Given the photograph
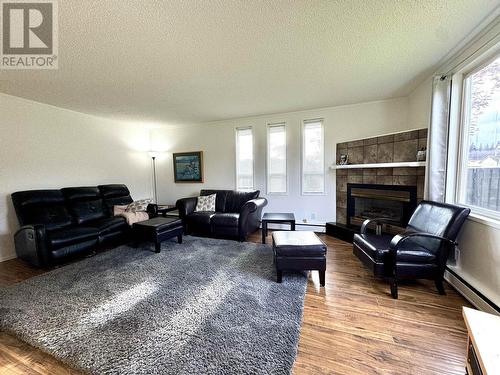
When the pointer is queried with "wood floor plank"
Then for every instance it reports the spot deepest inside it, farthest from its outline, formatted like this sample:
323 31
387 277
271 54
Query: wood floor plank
351 327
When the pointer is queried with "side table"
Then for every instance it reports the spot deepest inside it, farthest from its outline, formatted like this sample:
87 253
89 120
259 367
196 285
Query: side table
276 218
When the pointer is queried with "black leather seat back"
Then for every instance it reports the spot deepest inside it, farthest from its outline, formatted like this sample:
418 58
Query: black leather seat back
220 200
84 203
436 218
236 199
230 201
46 207
114 195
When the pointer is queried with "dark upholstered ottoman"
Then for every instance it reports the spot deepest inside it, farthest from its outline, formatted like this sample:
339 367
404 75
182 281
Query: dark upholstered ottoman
299 251
157 230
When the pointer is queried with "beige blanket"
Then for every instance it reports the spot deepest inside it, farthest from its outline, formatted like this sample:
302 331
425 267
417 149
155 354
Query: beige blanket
130 217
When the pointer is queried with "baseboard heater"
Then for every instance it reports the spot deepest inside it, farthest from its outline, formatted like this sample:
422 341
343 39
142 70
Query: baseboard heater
471 294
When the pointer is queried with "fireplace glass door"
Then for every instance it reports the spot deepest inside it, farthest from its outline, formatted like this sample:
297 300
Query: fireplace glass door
392 202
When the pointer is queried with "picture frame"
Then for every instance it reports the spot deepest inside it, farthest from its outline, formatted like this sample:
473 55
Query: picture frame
344 159
188 167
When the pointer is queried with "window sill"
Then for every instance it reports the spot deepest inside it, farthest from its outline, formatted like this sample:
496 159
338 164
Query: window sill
494 223
313 194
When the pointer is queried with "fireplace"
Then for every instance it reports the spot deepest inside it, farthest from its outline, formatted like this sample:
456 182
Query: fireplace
395 203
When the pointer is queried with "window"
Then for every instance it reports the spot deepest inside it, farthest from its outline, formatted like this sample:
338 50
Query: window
313 163
276 158
479 164
244 159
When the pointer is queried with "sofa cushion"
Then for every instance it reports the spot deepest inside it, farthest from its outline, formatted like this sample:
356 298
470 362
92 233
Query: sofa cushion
200 218
85 203
225 219
73 235
46 207
236 199
109 224
376 247
139 206
206 203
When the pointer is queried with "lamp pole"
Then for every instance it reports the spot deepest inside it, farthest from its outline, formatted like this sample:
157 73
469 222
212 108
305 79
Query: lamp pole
154 178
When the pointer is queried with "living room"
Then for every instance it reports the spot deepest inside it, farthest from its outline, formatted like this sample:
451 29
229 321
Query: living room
186 187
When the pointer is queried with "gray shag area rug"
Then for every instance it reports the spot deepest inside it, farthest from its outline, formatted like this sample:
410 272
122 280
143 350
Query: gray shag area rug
206 306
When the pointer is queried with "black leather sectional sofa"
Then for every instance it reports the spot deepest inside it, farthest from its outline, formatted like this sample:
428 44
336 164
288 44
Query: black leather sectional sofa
57 224
236 214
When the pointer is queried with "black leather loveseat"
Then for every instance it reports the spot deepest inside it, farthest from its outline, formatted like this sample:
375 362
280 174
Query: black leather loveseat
56 224
236 214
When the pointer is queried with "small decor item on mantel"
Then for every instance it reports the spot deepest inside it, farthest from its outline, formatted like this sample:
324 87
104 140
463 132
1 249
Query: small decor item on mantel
422 154
188 166
344 158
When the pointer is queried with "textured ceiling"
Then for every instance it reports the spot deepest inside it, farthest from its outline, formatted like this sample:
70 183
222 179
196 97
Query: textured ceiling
202 60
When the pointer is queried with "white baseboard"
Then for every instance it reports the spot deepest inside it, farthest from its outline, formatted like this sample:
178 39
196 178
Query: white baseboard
469 294
7 257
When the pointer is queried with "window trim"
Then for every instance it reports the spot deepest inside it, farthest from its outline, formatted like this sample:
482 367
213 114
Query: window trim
268 127
236 143
302 139
457 149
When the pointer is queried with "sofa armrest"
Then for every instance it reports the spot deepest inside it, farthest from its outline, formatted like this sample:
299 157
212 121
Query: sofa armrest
186 206
378 221
398 239
152 210
250 215
31 245
442 251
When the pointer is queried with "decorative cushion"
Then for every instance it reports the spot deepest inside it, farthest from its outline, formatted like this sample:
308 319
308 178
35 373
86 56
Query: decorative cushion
139 206
119 209
134 217
206 203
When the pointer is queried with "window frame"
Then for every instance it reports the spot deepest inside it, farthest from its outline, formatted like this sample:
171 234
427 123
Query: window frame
302 158
268 153
459 126
236 154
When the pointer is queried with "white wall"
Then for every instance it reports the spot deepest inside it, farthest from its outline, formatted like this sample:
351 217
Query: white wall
47 147
419 105
217 141
479 257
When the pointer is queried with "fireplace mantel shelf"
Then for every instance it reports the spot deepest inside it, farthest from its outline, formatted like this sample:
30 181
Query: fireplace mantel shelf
403 164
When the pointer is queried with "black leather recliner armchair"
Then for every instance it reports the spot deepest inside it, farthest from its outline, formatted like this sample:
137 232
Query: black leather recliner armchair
56 224
420 252
236 214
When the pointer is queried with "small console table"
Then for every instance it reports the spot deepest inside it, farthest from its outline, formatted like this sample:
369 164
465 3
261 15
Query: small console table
276 218
483 351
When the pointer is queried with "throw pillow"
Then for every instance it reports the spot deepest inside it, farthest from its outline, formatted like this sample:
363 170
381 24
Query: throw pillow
206 203
139 206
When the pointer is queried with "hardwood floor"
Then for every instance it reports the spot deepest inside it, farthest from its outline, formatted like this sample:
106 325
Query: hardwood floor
352 326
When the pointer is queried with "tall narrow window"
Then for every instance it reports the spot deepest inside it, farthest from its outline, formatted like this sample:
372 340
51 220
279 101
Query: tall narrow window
276 158
313 163
244 159
479 180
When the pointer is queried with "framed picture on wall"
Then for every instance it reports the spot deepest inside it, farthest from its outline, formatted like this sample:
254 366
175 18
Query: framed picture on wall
188 166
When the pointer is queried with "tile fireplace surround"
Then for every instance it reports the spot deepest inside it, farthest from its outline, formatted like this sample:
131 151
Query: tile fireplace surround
398 147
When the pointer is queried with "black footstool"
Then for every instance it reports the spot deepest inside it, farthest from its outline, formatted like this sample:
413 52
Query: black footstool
299 251
158 229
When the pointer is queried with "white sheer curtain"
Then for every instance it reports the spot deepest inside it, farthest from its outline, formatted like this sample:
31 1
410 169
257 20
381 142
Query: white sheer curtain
438 139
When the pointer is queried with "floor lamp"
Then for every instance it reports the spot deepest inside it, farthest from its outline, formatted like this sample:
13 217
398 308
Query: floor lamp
153 156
